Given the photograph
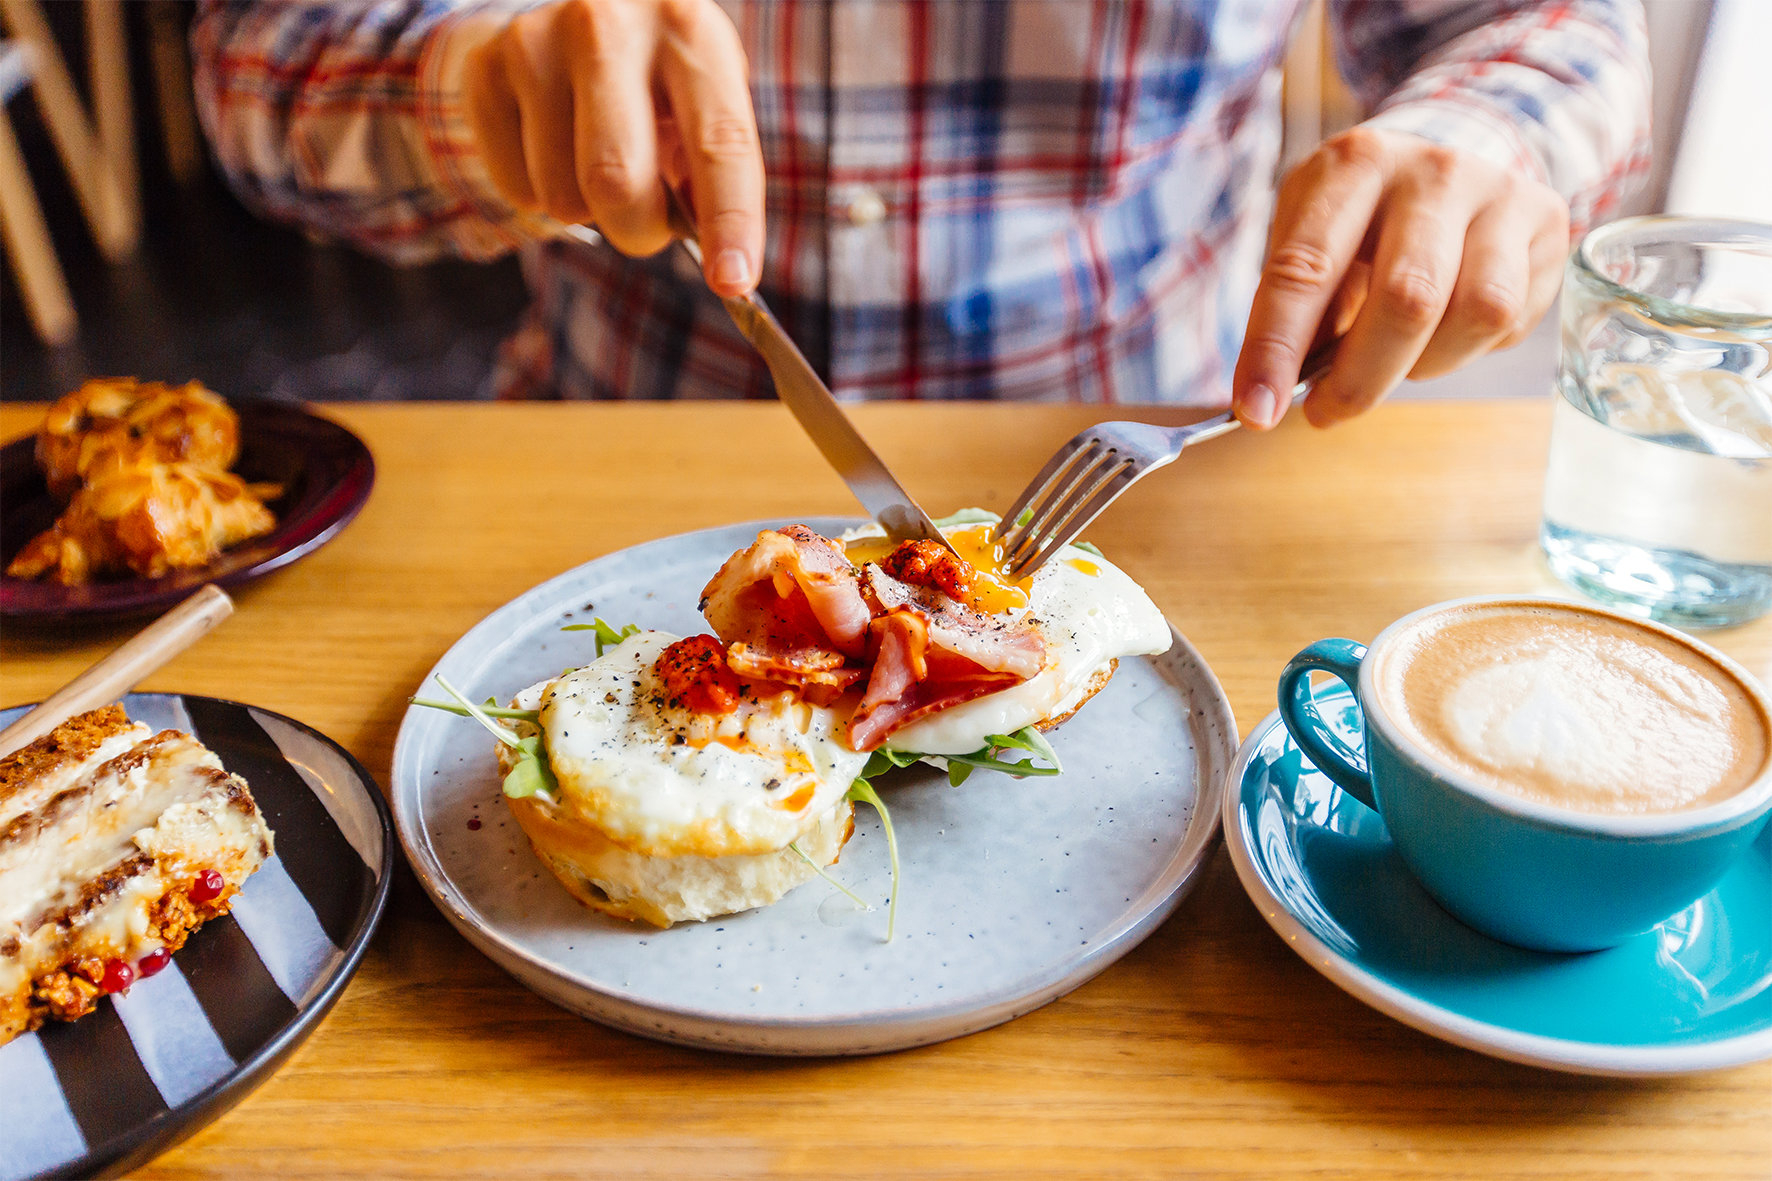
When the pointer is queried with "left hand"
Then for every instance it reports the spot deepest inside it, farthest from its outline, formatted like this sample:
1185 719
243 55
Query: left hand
1422 256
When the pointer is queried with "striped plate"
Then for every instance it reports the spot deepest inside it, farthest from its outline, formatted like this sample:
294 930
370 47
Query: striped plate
154 1064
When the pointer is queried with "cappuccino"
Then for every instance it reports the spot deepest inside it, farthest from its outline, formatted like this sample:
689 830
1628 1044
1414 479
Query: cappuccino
1573 709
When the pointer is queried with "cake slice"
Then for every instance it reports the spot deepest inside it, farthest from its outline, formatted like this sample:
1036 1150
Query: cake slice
115 844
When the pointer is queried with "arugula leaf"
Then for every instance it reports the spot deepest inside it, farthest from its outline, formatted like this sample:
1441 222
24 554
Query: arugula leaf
530 774
489 709
1087 547
958 773
861 791
607 636
967 516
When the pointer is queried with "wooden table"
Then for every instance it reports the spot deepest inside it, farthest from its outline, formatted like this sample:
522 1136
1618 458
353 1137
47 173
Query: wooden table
1210 1050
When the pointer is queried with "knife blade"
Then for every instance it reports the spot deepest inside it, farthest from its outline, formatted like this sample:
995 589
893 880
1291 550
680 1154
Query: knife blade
801 390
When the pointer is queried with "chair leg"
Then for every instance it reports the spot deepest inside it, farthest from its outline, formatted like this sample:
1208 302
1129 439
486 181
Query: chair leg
71 132
40 278
107 51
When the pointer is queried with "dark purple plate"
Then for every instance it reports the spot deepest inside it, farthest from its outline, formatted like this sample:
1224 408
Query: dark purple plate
326 473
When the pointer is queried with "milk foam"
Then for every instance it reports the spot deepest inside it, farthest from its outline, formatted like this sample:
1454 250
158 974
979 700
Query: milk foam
1574 709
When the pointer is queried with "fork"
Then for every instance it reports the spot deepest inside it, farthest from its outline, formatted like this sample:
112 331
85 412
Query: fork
1099 463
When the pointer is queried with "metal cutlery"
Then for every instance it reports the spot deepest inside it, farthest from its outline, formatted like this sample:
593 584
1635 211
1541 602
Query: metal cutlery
1098 465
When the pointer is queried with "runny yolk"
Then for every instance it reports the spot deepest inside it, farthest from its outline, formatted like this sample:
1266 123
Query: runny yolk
798 800
1084 565
992 593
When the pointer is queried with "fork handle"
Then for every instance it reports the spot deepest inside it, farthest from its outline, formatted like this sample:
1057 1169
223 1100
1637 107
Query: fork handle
1316 363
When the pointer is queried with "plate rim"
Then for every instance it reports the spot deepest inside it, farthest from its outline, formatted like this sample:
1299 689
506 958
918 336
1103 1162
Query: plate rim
360 458
1606 1059
167 1128
811 1037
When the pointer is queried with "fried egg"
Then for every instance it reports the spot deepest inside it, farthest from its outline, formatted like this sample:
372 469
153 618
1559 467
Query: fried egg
1089 611
657 779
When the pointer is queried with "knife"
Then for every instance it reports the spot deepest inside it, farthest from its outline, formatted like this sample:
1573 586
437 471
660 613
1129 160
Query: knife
798 386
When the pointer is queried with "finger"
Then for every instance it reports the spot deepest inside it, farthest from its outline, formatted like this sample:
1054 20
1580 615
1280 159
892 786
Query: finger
615 161
497 129
1421 232
1489 297
1545 260
702 67
1319 222
544 103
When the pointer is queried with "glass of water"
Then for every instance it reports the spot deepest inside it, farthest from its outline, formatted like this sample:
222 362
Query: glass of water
1658 499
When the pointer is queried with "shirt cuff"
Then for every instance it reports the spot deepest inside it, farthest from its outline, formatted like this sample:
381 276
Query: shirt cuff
487 225
1466 126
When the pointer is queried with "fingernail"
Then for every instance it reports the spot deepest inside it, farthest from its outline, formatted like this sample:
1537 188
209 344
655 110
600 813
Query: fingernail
1261 406
732 270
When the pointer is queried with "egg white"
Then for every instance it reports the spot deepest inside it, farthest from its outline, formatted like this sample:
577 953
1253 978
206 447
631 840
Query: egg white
1090 612
661 781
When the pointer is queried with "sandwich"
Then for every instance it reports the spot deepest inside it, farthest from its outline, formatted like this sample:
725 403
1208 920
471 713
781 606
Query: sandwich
675 779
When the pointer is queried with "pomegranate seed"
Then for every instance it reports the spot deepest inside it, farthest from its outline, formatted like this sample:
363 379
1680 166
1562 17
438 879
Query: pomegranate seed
208 886
118 976
152 963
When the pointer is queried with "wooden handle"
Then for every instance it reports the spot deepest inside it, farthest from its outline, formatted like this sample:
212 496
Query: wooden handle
117 673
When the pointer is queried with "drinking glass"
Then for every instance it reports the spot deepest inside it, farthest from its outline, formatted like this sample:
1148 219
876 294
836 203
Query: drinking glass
1658 499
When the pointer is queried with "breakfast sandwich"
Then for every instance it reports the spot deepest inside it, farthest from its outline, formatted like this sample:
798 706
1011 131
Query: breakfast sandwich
677 779
115 844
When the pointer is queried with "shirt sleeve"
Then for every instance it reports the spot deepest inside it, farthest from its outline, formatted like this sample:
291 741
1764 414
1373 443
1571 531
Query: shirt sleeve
1556 88
344 117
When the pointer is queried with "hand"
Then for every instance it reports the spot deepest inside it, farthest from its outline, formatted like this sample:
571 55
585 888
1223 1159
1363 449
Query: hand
1422 257
580 107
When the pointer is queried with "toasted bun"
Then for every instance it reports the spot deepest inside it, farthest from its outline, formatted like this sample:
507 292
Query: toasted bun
666 890
1097 682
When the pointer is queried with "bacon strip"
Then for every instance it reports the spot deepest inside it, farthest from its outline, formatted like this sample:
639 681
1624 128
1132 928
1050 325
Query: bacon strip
789 609
987 641
932 653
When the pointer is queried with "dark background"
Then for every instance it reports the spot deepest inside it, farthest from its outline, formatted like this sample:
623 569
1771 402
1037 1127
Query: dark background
244 306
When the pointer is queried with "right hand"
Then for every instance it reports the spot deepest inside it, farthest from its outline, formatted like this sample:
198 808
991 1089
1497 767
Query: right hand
581 107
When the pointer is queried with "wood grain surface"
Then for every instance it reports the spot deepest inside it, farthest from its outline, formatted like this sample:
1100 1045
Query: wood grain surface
1210 1050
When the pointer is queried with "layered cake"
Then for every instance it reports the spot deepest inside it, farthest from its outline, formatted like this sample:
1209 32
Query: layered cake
115 844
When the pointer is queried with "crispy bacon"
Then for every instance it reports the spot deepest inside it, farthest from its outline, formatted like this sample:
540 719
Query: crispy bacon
931 564
790 608
990 642
913 679
931 653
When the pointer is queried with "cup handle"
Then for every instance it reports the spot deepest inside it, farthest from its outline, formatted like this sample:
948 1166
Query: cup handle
1298 710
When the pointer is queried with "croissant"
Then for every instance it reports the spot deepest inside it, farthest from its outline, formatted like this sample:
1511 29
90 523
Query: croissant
117 422
150 519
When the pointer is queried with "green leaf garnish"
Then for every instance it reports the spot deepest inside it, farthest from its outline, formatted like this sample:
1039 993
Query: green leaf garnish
607 636
530 774
861 791
1026 515
1088 547
957 773
489 709
967 516
819 870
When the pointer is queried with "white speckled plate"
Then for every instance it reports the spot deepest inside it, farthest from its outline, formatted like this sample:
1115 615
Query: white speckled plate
1014 891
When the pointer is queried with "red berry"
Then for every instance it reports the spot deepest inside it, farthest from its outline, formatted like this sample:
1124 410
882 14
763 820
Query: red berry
208 886
118 976
154 962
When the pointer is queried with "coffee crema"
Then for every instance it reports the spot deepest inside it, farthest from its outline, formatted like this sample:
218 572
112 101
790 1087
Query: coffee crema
1573 709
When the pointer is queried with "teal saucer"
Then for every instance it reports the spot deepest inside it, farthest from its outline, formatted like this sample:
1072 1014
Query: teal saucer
1693 994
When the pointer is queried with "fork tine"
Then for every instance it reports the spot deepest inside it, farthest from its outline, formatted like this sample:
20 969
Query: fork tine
1057 465
1037 517
1058 505
1105 493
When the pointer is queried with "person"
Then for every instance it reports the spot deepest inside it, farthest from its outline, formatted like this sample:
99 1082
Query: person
1026 199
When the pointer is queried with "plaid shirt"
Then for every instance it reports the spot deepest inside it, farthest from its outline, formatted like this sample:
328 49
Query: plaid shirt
1038 199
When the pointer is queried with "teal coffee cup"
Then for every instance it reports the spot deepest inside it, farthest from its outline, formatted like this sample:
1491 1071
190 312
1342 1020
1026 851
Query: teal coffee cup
1557 776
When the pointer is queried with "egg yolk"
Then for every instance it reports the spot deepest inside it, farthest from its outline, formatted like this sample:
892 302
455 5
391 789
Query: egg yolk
992 592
